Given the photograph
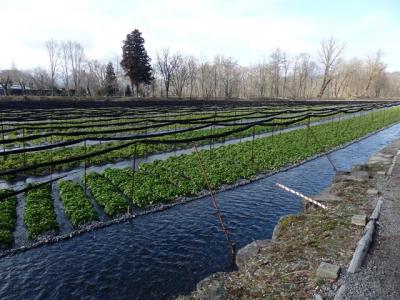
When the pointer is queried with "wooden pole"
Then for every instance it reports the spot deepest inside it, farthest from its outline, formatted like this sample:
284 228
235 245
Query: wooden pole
318 142
51 149
23 144
133 176
2 129
252 144
85 166
215 205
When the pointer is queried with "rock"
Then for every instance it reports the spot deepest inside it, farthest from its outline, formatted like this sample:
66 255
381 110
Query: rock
380 158
359 220
211 287
276 231
354 175
214 291
277 227
372 192
318 297
328 271
345 177
358 168
326 197
249 251
323 198
360 174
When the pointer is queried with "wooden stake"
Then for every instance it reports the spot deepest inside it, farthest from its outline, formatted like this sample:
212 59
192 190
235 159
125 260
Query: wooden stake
85 167
215 205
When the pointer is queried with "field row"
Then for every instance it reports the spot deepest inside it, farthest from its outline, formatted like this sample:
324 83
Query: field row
20 135
165 181
20 160
62 117
39 214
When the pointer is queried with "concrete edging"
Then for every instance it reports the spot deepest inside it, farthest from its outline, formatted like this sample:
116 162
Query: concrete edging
365 241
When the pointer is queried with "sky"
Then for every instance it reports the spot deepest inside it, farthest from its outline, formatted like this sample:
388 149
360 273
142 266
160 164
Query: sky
247 30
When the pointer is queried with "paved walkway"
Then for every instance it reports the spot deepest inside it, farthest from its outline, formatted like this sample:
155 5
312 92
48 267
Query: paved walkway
379 277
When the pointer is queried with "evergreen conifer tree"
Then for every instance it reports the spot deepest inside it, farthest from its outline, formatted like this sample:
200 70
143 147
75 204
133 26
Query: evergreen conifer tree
128 91
111 84
135 61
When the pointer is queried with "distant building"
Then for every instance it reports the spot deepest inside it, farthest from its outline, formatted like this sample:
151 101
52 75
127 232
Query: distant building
18 90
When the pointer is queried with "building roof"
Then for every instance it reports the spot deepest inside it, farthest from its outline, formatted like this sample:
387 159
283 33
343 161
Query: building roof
19 87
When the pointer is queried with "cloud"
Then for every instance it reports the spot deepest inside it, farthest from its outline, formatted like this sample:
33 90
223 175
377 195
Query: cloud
245 30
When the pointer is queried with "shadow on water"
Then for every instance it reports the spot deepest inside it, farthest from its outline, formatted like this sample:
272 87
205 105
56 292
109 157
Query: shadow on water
165 254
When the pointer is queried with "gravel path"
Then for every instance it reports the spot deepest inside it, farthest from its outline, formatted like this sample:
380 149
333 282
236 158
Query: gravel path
379 277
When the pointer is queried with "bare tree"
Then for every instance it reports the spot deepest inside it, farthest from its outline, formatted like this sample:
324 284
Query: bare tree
285 68
374 68
53 51
206 78
5 81
77 59
341 77
260 75
23 78
356 82
192 70
229 75
275 64
381 83
180 75
331 50
65 54
186 76
94 76
41 79
166 65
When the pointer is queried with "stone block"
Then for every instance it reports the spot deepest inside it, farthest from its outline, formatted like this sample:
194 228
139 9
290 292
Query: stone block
338 178
328 271
318 297
361 175
372 192
250 251
359 220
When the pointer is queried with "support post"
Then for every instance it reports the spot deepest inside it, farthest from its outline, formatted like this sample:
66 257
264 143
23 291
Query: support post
51 155
252 144
2 129
318 142
85 166
23 144
215 205
133 177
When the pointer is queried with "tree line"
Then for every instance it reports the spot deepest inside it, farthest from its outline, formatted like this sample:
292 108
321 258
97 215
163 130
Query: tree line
327 74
